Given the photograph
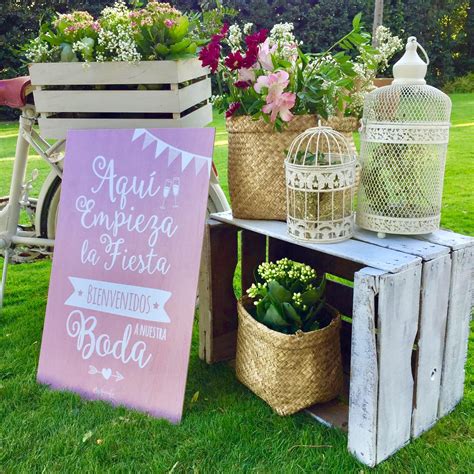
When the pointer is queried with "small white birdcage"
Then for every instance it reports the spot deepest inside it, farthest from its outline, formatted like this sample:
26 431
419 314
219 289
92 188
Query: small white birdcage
404 138
320 180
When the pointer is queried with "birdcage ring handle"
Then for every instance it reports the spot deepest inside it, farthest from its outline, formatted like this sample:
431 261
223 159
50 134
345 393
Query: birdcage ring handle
424 52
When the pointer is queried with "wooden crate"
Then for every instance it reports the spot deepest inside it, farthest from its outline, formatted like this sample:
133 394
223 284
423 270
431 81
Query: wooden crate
403 339
106 95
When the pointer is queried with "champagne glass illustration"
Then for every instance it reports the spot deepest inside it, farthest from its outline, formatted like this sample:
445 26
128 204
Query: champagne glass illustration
166 192
175 190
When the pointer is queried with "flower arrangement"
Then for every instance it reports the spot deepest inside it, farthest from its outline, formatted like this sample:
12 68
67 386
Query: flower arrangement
370 63
155 32
289 297
266 75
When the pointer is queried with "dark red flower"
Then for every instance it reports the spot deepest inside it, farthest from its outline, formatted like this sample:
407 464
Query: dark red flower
234 61
232 109
218 37
209 55
224 29
256 38
243 84
250 56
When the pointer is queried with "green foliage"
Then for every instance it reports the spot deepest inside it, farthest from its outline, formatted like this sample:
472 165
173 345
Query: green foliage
289 297
462 84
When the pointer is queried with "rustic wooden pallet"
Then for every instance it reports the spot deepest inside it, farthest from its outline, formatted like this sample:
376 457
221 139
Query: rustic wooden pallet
396 303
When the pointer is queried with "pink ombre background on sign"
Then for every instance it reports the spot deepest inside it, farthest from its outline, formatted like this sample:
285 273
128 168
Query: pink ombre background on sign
158 388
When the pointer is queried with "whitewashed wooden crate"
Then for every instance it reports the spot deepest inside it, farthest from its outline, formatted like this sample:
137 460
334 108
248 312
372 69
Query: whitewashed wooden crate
404 337
106 95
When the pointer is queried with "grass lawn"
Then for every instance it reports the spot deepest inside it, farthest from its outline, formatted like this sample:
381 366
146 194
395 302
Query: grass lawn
225 428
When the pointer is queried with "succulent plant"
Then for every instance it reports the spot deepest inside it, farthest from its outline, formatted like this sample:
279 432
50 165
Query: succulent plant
289 297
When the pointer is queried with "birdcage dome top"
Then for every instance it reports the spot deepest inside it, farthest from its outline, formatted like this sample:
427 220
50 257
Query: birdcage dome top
320 147
402 103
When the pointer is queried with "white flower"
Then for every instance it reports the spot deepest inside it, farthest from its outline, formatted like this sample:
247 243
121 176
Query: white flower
248 28
235 37
40 51
387 45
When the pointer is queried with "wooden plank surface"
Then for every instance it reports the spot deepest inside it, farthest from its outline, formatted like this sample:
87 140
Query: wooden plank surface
457 330
254 250
431 339
398 310
116 101
364 378
353 250
57 127
142 72
448 238
217 302
402 243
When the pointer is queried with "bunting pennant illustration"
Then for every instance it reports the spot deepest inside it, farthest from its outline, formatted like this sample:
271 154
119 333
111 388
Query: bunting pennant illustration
173 152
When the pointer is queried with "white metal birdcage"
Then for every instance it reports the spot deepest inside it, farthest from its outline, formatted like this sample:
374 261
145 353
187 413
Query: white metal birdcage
320 180
404 138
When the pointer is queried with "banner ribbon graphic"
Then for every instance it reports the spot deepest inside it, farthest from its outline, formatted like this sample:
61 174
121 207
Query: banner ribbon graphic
130 301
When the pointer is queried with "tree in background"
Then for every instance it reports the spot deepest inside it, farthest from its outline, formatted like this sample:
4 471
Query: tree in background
444 27
378 20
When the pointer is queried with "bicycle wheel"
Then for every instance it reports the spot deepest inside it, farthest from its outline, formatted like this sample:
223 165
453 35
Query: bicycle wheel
48 212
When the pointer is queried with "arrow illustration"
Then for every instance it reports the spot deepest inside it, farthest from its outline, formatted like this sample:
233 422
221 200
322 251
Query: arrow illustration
106 373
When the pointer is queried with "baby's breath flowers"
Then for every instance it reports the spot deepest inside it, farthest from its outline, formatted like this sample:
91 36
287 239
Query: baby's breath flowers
154 32
288 296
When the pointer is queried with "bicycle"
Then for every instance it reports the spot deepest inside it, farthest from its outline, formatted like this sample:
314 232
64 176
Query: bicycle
39 237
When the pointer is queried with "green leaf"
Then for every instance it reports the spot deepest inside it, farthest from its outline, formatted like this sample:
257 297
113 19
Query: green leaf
180 46
180 29
310 297
273 318
278 293
162 49
356 21
291 313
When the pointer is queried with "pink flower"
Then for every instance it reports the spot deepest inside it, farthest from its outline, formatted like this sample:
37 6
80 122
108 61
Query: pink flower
169 23
282 105
275 82
265 55
277 101
246 75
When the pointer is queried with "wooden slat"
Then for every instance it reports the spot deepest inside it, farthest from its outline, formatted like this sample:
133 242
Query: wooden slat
143 72
217 303
57 128
352 250
116 101
398 309
223 260
334 413
254 249
448 239
193 94
431 339
402 243
457 330
364 379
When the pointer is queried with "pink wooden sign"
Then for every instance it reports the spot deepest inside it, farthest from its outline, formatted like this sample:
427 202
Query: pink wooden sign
126 263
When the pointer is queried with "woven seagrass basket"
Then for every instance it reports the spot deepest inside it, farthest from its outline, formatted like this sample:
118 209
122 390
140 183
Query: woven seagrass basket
256 172
289 371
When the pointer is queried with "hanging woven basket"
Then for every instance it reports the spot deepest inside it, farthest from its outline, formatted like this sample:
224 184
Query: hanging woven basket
256 173
289 371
